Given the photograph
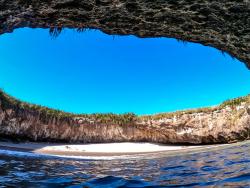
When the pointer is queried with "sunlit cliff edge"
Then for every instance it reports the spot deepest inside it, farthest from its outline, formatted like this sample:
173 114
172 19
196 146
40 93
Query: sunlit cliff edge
226 123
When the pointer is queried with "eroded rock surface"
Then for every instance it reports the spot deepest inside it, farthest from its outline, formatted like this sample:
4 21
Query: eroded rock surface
223 24
213 125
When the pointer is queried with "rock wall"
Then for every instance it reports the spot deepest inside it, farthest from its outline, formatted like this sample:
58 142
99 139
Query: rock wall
223 24
229 124
29 125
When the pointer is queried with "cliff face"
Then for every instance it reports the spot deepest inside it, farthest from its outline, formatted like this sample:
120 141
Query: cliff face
213 125
223 24
224 125
30 125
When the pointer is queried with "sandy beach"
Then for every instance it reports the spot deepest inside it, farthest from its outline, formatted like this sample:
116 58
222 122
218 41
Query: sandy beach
104 149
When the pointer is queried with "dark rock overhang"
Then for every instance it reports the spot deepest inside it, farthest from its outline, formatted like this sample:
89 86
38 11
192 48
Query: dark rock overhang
223 24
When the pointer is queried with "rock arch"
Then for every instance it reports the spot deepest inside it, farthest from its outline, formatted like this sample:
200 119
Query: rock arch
223 24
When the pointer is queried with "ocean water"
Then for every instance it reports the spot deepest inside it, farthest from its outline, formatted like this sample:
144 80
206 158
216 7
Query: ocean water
223 167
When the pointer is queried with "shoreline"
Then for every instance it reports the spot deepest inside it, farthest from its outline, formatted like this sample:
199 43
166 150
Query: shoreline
100 150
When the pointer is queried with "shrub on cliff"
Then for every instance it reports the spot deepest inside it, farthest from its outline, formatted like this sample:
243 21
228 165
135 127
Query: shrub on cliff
45 112
236 101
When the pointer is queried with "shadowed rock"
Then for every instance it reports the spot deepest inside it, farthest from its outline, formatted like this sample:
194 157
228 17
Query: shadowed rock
223 24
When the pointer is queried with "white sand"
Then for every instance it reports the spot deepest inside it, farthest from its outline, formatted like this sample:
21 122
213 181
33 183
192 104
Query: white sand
104 151
126 147
115 148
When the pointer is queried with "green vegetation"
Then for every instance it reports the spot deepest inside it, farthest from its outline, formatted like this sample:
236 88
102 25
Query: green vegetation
230 103
82 29
55 31
182 41
224 53
178 113
236 101
8 102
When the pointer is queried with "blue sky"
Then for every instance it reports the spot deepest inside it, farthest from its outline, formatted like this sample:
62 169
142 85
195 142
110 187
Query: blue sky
93 72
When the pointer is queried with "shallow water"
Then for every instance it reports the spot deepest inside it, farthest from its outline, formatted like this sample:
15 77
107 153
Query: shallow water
228 166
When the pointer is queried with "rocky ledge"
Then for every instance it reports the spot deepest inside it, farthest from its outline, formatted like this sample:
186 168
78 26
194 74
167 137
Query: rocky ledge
226 123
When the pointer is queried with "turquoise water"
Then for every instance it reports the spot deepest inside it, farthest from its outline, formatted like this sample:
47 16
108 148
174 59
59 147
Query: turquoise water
228 167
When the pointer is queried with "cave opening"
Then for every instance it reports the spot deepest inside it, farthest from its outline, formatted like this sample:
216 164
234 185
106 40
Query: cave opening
91 72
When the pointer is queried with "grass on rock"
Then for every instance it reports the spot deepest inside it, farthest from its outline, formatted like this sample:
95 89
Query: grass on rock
8 102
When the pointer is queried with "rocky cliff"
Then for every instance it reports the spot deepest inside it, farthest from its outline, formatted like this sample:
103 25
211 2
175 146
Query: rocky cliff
226 123
223 24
